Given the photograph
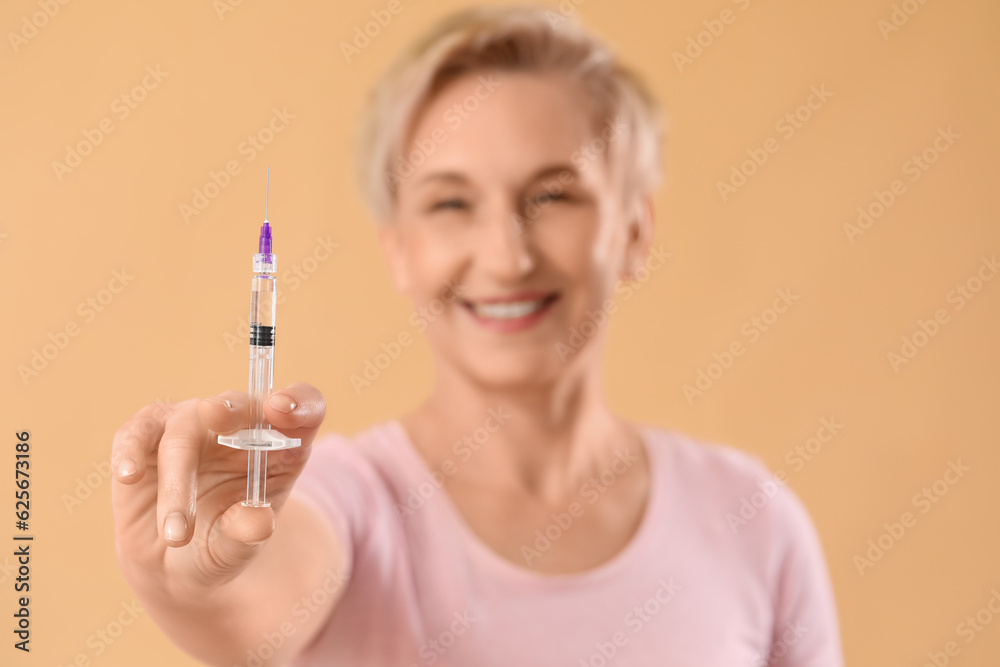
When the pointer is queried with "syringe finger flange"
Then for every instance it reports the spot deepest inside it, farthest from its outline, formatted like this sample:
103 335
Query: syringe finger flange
268 440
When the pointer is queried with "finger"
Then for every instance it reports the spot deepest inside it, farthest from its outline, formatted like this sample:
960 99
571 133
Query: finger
177 461
239 534
225 413
297 411
135 442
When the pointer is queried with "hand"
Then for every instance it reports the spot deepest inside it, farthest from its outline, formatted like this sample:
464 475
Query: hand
179 523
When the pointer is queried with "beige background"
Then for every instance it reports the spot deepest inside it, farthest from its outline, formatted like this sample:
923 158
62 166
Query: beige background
164 336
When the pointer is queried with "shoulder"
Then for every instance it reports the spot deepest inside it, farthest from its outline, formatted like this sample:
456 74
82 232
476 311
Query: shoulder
721 466
728 486
731 506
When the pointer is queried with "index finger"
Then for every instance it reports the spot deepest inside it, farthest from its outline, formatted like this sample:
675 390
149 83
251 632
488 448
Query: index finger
296 411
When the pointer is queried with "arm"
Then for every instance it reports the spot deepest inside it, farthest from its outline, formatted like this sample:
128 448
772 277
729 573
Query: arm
806 628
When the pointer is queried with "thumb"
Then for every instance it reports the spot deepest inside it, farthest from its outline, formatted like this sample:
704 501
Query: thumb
239 534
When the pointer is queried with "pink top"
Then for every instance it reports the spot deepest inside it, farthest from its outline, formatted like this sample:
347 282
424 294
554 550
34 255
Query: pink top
707 580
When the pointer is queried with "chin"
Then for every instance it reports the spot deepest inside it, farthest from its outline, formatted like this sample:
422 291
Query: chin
512 369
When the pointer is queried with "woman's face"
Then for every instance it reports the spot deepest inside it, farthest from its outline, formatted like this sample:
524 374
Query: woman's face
508 231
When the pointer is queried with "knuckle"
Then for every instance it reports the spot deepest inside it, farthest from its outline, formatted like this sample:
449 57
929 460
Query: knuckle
186 413
173 489
125 439
128 442
156 411
121 432
148 419
174 443
147 425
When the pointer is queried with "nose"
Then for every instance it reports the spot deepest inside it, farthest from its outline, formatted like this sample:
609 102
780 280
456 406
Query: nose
504 247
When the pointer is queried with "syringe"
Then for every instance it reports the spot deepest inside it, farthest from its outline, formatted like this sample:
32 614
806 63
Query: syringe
259 438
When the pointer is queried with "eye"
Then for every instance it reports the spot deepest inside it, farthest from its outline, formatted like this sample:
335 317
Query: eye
449 204
549 197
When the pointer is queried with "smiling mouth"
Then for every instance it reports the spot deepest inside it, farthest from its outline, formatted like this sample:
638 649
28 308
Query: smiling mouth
510 310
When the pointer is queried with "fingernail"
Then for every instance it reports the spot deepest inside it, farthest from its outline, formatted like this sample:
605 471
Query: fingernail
127 467
220 401
175 527
281 403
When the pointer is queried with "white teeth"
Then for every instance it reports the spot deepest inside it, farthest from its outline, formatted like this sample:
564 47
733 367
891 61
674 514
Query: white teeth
503 311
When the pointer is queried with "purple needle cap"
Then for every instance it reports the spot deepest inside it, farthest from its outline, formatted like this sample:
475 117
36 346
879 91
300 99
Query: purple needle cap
264 247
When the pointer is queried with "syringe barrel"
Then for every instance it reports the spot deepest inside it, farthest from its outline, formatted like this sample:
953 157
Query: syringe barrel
263 312
261 376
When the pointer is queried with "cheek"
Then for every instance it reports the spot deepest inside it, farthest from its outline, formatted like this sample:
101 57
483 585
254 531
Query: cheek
434 263
573 248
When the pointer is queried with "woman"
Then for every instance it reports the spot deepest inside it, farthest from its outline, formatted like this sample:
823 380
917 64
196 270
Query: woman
512 518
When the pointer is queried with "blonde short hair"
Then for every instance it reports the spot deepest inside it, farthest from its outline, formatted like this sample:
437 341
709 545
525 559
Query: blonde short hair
521 39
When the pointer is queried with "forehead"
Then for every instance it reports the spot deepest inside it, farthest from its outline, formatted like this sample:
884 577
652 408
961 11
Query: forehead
501 124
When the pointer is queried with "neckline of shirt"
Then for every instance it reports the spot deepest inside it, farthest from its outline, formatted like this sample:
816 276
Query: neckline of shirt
500 566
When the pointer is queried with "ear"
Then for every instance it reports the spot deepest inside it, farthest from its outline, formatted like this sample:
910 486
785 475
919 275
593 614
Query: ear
640 234
391 243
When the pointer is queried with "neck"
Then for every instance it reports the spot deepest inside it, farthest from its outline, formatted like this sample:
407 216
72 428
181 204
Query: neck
540 439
